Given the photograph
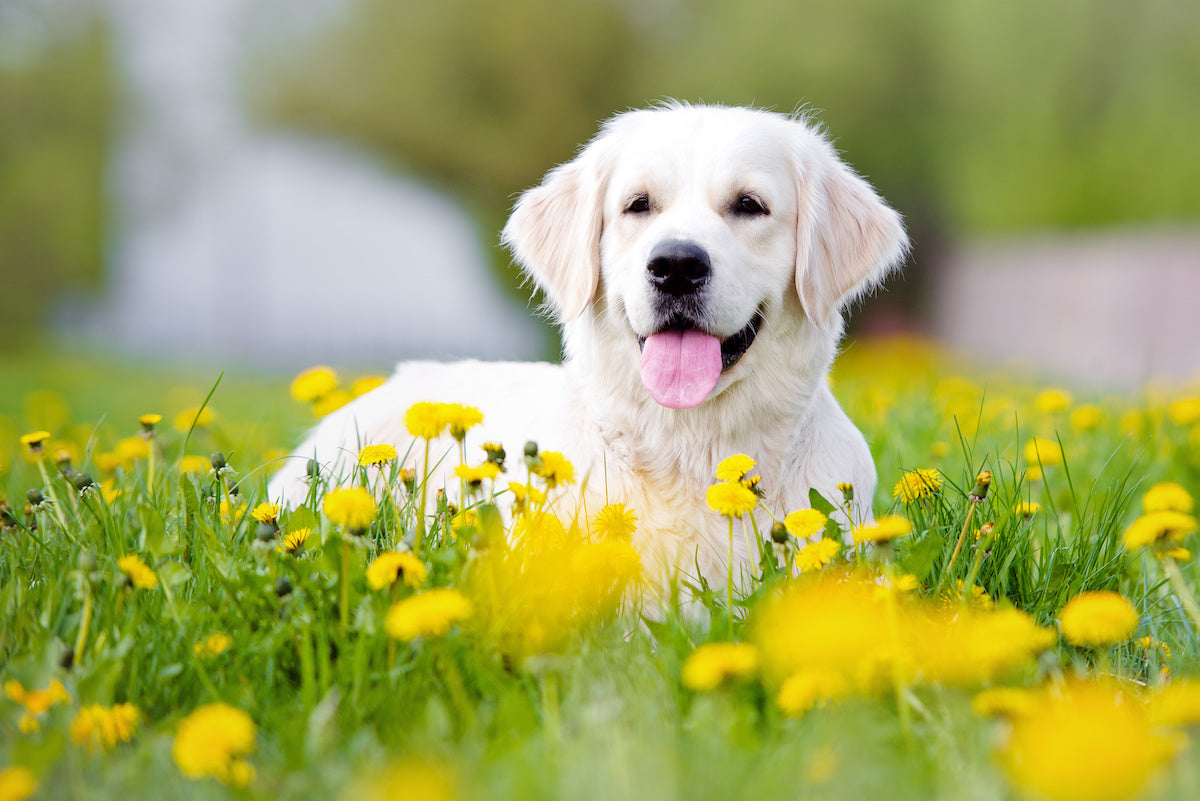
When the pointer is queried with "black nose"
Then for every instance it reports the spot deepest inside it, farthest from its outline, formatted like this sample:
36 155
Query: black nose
678 268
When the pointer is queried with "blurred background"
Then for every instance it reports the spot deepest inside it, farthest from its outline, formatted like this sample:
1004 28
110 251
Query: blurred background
271 184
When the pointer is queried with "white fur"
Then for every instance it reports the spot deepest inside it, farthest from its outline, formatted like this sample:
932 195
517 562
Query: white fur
827 238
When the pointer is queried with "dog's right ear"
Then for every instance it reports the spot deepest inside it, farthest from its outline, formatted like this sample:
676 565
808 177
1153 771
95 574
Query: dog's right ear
554 233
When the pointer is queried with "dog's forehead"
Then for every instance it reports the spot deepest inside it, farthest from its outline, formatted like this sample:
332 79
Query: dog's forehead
719 146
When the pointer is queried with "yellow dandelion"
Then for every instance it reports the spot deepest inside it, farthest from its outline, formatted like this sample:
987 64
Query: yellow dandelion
293 541
808 689
314 384
615 521
229 512
1177 704
734 468
885 529
816 555
266 512
194 464
150 420
366 383
1162 528
1042 452
1052 401
328 404
214 740
524 497
1003 702
711 665
352 508
917 484
939 449
17 783
1167 496
461 419
1184 411
1042 754
554 469
214 644
35 441
194 416
1027 508
376 455
426 420
389 566
427 614
410 778
138 572
1098 619
731 500
99 728
37 701
131 449
1086 417
805 523
478 474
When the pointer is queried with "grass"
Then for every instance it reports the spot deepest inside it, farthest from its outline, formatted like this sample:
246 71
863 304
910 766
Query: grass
552 688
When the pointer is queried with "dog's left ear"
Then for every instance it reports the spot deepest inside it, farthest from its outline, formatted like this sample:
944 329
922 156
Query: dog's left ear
848 239
554 233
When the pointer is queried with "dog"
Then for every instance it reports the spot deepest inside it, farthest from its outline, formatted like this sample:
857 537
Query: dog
698 260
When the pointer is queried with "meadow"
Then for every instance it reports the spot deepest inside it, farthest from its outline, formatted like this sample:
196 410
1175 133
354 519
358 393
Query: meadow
1019 621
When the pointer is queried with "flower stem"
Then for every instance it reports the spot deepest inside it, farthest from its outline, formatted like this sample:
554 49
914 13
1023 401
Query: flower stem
729 579
962 535
344 602
1179 584
420 535
86 622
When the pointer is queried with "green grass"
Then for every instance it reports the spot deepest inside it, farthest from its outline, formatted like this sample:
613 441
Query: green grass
599 710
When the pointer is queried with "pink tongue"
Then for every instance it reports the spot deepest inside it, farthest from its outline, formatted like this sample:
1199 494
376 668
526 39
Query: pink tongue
680 368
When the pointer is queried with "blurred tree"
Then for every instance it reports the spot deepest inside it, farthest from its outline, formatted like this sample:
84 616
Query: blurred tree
55 98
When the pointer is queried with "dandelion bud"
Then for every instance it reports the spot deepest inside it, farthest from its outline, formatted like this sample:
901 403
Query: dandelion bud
6 516
495 453
847 491
218 461
982 482
35 497
62 458
82 482
266 532
779 533
283 587
149 421
408 477
312 469
531 449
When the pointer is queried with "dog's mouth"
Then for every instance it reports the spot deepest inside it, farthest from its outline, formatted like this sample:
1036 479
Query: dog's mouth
681 364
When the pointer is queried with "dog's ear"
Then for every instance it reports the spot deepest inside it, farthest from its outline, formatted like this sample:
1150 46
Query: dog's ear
848 239
554 232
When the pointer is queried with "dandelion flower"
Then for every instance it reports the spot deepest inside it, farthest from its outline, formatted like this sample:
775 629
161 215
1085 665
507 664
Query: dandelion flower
808 689
885 529
376 455
366 383
524 497
1003 702
16 783
1098 619
1043 452
1159 528
293 541
461 419
616 522
1086 417
1167 496
426 420
138 572
100 728
555 469
805 523
194 417
214 644
1027 508
386 568
409 778
917 484
1177 704
1052 401
37 701
734 468
428 614
1043 753
478 474
1184 411
266 512
314 384
711 665
731 500
214 740
35 441
194 464
816 555
352 508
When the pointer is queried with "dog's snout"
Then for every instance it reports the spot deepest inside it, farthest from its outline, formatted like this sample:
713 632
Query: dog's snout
678 268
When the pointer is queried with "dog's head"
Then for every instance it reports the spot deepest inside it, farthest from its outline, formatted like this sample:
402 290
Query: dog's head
694 224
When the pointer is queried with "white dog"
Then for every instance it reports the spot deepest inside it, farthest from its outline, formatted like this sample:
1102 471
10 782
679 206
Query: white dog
698 259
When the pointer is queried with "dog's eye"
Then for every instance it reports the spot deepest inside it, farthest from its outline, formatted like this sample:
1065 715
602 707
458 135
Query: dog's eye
638 205
748 206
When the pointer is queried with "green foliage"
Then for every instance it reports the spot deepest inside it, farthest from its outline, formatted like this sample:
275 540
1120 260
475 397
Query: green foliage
55 123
